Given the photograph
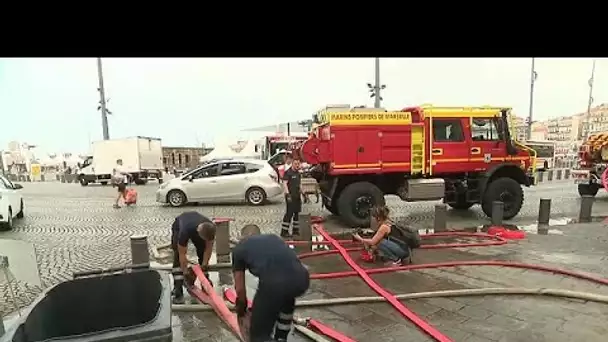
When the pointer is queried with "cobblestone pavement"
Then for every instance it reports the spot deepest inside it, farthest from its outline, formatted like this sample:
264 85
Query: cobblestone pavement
74 228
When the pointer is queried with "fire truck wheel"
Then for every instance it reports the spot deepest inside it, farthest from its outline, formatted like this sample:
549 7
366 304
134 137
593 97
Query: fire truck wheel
506 190
355 202
588 189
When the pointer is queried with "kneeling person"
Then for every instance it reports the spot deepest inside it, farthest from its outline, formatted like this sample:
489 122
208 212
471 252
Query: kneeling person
200 230
282 278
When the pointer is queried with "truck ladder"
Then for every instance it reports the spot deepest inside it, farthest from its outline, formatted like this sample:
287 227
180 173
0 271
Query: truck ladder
417 165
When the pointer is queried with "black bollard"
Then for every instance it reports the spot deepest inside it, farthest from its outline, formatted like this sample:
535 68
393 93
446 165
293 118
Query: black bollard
544 213
222 236
498 210
139 250
441 217
584 215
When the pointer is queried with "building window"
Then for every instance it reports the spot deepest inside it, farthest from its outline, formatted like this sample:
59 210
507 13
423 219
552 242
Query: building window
164 160
179 159
173 158
187 158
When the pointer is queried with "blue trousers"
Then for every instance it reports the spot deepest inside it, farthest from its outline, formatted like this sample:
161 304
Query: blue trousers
392 251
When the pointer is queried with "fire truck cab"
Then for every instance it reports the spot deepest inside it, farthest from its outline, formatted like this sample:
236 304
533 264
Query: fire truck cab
463 155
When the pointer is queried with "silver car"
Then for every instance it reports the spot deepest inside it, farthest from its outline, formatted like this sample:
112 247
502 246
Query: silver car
223 181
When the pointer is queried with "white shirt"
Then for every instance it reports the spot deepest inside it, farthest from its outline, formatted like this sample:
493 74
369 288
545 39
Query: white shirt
120 174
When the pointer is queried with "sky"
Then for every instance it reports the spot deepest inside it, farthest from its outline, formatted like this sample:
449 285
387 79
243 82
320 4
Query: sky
53 103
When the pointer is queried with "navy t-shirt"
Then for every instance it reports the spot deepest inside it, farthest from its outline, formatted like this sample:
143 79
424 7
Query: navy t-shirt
185 226
267 257
294 181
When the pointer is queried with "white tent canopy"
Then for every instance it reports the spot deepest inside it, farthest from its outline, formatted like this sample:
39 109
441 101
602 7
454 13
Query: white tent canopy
249 151
220 152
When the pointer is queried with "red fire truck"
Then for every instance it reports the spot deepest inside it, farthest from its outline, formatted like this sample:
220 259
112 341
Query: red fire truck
462 155
592 172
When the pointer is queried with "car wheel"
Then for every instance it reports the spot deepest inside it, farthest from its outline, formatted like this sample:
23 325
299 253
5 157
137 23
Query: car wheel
176 198
20 214
104 183
8 225
255 196
83 181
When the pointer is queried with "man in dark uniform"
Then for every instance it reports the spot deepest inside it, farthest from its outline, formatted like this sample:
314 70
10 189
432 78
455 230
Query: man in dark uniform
281 279
292 181
190 226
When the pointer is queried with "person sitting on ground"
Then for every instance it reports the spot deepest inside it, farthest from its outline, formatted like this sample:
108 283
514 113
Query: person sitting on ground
281 279
380 244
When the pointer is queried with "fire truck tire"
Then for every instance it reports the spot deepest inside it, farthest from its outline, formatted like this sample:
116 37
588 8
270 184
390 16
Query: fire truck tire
588 189
355 201
508 191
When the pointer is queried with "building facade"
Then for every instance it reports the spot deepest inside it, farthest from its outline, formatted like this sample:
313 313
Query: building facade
564 128
598 119
183 157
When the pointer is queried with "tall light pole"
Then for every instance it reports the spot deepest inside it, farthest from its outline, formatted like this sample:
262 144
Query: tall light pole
375 89
586 125
533 77
102 102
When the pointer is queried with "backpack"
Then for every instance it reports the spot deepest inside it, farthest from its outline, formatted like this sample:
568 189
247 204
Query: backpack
405 236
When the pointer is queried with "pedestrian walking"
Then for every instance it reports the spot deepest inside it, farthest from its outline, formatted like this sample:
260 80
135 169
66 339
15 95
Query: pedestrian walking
281 279
198 229
120 178
292 181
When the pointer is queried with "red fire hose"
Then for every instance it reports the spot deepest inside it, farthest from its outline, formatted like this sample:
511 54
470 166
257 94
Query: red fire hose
426 327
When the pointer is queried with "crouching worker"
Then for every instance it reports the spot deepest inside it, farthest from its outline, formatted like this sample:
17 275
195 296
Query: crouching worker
282 278
200 230
382 243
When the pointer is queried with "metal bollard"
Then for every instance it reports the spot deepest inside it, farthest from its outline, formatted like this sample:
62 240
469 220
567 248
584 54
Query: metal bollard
498 210
222 236
441 217
550 175
558 176
567 174
306 230
540 176
544 213
584 214
139 250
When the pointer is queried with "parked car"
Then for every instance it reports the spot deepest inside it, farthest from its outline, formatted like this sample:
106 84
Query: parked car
11 203
223 181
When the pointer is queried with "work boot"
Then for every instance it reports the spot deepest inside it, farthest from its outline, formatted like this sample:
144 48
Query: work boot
116 206
295 232
285 234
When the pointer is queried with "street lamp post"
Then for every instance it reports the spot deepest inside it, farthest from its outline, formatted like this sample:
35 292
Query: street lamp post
533 77
102 102
375 89
589 102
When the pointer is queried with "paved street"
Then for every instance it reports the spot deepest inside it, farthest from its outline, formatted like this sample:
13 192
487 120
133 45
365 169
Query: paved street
75 228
